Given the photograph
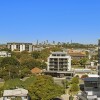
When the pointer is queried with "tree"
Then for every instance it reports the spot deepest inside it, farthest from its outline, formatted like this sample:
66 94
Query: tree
65 83
25 52
74 88
24 72
71 97
83 61
1 58
12 83
43 65
44 88
36 54
84 76
16 55
75 80
9 72
5 49
74 62
10 61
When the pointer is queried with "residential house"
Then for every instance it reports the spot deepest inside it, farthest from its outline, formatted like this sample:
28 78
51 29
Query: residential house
5 54
16 94
36 71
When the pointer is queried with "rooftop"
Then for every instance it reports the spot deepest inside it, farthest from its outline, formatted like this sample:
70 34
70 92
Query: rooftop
15 92
36 70
59 52
95 79
19 43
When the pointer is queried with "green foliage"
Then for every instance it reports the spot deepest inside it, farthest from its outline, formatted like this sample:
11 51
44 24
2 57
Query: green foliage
54 49
1 58
28 81
16 55
65 83
76 45
1 90
94 57
24 72
36 54
32 64
44 54
84 76
75 80
25 58
24 52
5 49
71 97
74 88
40 87
83 61
9 61
43 65
9 72
12 84
44 88
75 62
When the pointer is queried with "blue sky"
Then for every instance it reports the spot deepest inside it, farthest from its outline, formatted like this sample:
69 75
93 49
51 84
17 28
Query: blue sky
59 20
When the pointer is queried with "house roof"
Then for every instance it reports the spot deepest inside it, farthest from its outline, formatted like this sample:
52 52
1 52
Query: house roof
36 70
15 92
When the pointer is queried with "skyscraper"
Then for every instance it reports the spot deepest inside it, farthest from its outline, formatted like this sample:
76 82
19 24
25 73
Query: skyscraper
99 57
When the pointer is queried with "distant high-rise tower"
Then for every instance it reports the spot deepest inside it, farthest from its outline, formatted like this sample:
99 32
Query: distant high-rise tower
99 57
71 41
37 43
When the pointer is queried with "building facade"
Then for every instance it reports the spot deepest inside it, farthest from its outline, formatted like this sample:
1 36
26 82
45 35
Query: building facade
16 94
92 84
20 47
99 56
91 88
5 54
59 61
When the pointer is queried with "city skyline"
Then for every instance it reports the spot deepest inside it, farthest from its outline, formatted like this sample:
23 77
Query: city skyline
52 20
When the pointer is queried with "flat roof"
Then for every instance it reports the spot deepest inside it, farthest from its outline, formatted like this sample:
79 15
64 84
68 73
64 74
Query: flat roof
58 52
19 43
15 92
93 75
82 70
58 72
95 79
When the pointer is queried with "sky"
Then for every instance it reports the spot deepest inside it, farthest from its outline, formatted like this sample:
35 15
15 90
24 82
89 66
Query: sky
52 20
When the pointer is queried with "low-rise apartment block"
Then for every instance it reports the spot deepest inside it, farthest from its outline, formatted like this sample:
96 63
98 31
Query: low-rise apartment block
20 47
59 65
59 61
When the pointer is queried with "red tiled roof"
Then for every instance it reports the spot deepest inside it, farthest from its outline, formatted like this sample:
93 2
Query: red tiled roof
36 70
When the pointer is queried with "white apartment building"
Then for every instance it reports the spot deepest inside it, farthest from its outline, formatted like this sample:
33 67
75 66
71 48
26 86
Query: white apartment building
20 47
5 54
59 61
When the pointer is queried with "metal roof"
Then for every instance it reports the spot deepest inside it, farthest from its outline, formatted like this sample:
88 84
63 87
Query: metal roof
95 79
58 72
15 92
